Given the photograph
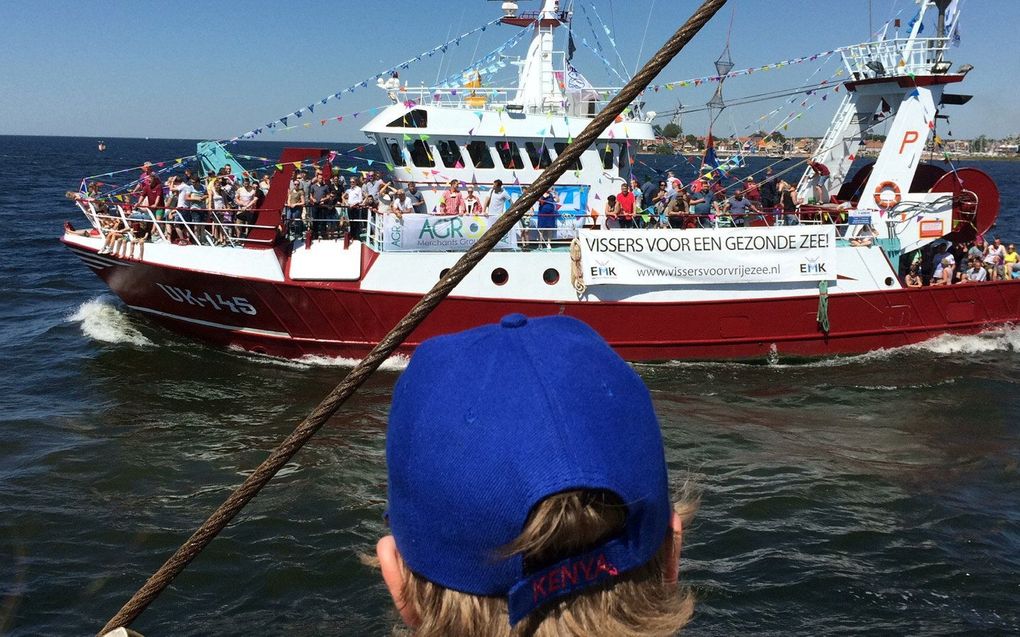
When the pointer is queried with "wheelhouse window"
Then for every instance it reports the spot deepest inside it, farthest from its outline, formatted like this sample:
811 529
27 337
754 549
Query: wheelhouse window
481 157
606 154
416 118
510 155
449 152
560 148
396 152
421 156
538 153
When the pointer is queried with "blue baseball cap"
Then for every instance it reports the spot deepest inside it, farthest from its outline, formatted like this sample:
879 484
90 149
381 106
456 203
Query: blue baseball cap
487 423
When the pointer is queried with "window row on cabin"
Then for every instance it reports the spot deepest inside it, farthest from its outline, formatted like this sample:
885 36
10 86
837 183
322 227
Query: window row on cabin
479 155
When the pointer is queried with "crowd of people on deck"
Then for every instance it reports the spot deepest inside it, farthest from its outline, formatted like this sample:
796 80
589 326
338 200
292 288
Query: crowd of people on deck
964 262
221 208
667 203
186 208
327 206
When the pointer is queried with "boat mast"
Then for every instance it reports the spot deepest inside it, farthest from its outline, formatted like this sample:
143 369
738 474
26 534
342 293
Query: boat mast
899 82
537 86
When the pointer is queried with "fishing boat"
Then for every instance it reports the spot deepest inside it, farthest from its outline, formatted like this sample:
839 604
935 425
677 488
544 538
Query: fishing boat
102 146
824 280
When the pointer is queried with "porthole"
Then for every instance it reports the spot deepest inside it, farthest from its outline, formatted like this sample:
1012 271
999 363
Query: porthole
888 281
442 273
500 277
551 276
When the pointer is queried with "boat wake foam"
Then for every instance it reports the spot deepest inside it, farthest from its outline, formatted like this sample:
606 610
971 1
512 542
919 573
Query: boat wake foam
102 320
394 363
999 339
1002 339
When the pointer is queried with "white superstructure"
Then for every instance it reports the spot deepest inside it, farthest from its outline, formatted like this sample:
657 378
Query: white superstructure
478 134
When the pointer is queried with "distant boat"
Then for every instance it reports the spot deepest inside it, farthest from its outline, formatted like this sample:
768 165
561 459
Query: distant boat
102 146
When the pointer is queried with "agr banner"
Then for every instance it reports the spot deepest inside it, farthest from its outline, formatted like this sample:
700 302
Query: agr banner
439 233
727 256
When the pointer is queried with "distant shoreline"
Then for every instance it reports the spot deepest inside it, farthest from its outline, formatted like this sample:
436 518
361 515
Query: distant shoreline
97 138
955 158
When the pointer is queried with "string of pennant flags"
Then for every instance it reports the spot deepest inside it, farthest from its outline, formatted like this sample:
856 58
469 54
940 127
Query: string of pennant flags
824 56
442 48
492 57
488 64
597 48
606 62
698 81
609 35
823 85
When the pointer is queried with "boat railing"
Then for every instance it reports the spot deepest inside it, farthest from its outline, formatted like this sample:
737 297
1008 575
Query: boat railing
591 100
528 236
215 231
896 57
900 217
369 226
908 210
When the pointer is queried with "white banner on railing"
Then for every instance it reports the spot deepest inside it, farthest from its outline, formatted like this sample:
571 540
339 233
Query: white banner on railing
439 233
728 256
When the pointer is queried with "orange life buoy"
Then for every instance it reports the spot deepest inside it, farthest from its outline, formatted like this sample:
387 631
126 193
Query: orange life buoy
881 201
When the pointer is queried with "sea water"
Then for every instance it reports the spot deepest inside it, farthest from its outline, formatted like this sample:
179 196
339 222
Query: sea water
872 494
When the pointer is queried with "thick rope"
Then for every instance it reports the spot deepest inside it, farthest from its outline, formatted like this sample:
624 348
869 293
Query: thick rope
329 405
823 306
576 273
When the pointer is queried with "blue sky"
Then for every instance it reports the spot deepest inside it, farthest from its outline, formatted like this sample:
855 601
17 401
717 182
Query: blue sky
216 69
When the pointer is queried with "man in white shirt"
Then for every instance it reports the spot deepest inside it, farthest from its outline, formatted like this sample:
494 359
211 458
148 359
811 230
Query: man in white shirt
670 185
185 192
187 198
355 213
373 184
401 205
997 248
496 203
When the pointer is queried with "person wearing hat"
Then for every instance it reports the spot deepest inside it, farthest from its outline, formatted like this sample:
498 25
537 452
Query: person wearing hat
552 520
751 189
943 257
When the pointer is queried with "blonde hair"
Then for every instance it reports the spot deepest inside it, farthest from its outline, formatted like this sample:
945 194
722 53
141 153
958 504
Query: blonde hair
637 604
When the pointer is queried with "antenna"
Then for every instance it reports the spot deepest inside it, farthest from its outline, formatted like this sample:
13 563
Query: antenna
871 28
677 113
722 67
940 28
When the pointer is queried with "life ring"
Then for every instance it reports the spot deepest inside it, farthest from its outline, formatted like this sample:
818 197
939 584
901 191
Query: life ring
884 203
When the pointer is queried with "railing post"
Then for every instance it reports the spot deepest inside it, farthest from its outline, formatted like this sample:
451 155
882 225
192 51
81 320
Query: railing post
155 223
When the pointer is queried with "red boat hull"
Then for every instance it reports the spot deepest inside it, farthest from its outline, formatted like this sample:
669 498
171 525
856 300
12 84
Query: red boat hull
293 320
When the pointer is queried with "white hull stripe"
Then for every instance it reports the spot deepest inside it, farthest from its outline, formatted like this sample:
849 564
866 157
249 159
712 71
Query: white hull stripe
246 330
93 262
221 326
86 255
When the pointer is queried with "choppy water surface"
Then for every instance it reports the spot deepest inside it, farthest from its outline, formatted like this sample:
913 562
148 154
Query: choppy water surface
875 494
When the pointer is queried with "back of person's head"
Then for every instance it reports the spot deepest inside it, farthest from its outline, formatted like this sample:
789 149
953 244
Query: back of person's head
526 498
